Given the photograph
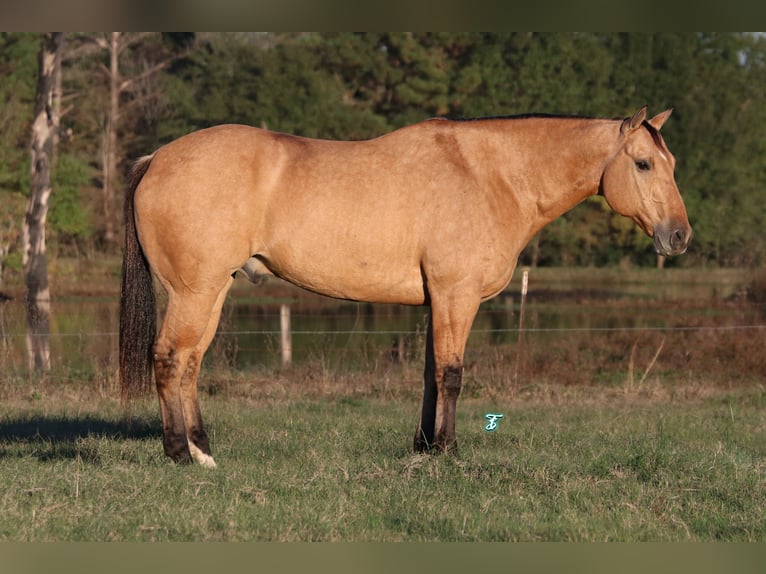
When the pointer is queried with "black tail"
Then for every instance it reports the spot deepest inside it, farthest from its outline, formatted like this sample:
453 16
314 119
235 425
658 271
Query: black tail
138 303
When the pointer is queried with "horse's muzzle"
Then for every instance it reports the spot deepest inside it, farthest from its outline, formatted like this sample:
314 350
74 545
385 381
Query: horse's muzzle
672 239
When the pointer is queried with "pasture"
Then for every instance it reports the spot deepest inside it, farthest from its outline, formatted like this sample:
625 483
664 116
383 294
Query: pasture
612 435
565 464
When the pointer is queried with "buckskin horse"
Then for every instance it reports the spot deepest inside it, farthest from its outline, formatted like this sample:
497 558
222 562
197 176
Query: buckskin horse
434 214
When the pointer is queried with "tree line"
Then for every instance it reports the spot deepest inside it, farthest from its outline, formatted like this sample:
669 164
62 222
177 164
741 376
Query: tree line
121 95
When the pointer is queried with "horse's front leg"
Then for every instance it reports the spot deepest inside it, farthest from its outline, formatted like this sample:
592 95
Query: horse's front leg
449 326
425 433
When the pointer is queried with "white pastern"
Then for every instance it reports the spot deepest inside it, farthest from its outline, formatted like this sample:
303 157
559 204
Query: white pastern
203 459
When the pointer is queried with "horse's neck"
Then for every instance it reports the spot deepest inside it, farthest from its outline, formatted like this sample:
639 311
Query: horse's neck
563 163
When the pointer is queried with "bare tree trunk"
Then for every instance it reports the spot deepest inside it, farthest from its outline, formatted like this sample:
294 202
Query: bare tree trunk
58 96
110 138
115 43
34 256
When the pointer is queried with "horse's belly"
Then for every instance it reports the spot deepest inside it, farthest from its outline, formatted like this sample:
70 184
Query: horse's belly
357 280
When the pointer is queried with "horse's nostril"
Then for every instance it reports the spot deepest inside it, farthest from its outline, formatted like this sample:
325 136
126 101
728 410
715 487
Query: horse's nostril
678 238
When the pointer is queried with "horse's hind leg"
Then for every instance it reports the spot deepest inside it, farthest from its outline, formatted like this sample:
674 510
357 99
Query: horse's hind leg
199 445
188 327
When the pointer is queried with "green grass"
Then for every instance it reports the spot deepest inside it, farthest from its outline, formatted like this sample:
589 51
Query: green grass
564 465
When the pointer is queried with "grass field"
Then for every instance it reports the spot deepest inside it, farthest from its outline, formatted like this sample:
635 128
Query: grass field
623 435
334 464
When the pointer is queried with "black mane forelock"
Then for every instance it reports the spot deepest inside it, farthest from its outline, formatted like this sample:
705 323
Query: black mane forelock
658 141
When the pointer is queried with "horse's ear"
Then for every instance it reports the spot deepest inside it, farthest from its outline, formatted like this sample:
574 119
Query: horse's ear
632 123
659 120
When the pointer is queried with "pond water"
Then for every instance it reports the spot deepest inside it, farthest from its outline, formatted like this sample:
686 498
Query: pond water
84 330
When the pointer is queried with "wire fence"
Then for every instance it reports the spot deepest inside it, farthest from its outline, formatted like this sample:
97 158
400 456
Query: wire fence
567 341
331 332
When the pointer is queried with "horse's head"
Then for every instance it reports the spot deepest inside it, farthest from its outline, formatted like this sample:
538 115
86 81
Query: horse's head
638 183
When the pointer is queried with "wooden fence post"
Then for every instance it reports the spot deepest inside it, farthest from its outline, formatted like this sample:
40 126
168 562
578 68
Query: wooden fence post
520 346
286 335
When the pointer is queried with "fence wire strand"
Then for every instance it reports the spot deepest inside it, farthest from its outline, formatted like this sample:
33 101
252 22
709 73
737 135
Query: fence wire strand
414 332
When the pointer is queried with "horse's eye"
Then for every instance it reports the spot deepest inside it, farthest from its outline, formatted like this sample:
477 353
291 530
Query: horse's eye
643 165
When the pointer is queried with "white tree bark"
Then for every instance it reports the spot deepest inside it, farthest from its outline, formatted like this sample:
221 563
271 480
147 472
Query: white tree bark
34 255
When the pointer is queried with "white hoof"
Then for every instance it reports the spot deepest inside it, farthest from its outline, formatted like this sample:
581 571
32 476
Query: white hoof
200 457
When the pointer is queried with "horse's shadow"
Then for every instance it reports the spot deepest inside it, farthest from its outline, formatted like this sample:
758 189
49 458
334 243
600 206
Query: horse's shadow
62 437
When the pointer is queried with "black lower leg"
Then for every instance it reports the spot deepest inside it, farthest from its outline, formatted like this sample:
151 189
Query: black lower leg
424 440
424 435
176 447
452 378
